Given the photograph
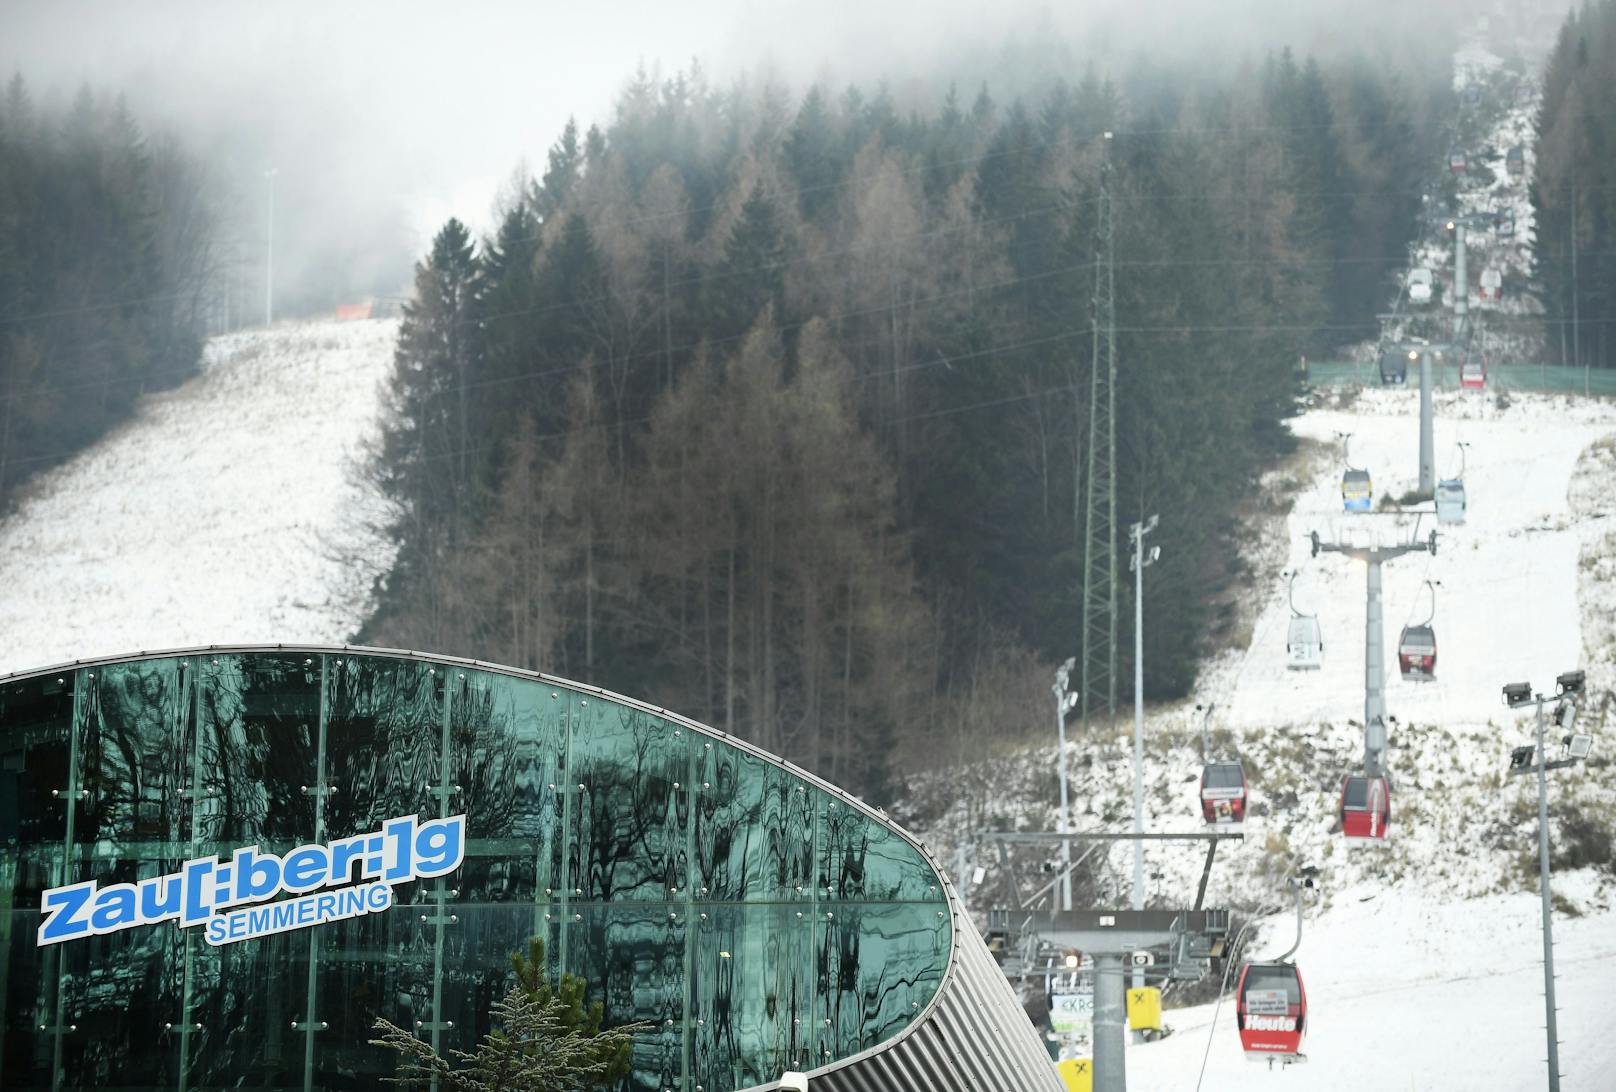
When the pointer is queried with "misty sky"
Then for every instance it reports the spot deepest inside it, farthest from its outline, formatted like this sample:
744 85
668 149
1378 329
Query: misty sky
402 112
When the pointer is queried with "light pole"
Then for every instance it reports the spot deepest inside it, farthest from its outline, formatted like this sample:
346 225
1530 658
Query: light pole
1534 759
1064 700
1138 562
269 251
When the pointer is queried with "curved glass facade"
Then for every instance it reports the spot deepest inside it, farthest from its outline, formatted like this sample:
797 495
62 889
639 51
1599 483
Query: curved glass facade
760 921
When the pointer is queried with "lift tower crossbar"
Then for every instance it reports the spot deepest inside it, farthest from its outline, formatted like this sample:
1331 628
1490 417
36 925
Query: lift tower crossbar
1374 639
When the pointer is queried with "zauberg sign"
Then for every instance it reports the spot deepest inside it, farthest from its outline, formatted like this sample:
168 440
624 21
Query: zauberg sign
205 890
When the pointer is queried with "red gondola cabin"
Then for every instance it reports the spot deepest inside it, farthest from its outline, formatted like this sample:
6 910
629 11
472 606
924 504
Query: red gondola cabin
1271 1010
1223 792
1473 374
1416 653
1366 807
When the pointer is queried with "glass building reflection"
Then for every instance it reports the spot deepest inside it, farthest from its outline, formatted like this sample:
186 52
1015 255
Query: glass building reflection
760 920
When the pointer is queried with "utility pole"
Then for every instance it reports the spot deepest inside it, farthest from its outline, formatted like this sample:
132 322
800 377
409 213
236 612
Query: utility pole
1099 647
1138 563
1427 439
1576 344
269 252
1461 282
1374 640
1063 704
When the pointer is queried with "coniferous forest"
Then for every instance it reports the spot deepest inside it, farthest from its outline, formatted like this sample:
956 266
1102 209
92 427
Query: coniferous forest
776 406
1574 188
105 261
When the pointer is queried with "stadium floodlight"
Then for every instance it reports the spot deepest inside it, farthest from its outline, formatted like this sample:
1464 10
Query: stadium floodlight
1579 745
1517 694
1520 759
1571 682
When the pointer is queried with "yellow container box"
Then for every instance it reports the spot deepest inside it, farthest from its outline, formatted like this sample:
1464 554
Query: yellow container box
1144 1009
1078 1073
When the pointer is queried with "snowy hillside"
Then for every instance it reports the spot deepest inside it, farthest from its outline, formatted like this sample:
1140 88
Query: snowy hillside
225 511
1507 605
1416 950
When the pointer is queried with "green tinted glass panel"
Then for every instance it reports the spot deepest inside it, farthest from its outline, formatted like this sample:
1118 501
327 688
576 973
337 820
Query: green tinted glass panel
757 922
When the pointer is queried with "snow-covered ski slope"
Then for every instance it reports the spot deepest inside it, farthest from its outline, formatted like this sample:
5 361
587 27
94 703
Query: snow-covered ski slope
1411 992
227 510
1507 606
1422 958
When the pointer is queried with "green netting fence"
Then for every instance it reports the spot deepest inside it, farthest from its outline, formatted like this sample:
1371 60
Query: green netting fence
1552 378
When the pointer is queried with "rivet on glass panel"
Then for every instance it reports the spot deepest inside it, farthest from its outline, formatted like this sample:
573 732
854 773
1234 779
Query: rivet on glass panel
799 915
577 917
704 916
554 695
585 701
676 785
708 746
673 890
90 675
449 1022
829 915
704 891
723 955
577 891
706 784
326 1027
833 805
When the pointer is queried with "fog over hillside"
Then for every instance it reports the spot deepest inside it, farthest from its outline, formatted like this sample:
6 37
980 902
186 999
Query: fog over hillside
381 119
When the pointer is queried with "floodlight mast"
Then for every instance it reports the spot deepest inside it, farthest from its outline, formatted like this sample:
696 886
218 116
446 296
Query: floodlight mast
1516 696
1374 639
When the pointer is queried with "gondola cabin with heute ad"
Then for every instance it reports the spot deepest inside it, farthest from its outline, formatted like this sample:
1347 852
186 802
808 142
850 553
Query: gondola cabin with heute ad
1271 1011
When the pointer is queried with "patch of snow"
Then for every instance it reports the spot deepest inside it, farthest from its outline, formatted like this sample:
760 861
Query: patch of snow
227 510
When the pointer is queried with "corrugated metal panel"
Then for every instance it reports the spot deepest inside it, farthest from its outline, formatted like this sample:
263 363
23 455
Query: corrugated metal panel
974 1037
